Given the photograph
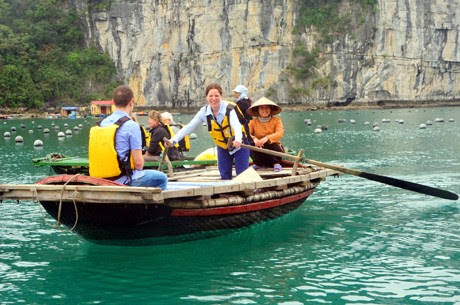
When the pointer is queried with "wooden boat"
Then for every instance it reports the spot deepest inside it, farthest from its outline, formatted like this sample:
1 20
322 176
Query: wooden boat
196 204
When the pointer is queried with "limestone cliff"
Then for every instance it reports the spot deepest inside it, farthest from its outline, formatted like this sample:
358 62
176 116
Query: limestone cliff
168 51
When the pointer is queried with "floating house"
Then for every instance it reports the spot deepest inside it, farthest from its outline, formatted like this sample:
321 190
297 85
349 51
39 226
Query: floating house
69 111
103 108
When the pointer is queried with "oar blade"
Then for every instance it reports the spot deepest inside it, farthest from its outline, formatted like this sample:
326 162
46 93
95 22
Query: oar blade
411 186
407 185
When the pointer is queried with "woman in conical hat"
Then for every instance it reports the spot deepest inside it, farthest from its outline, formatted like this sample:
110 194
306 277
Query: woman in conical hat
267 131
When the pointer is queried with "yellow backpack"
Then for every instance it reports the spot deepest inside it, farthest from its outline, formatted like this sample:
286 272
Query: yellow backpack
104 161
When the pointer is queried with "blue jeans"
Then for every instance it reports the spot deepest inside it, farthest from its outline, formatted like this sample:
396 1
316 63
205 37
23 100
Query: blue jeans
225 162
152 178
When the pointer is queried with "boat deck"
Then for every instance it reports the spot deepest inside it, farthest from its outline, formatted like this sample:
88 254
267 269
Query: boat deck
197 185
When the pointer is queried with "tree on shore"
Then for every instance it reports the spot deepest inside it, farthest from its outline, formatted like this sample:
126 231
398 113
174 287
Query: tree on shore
44 58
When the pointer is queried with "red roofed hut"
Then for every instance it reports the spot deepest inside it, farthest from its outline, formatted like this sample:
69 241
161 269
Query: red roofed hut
102 108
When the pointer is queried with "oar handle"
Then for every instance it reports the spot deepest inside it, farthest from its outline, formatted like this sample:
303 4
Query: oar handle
271 152
165 153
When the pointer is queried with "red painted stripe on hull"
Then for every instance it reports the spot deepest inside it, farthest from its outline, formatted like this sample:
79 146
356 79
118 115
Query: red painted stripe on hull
256 206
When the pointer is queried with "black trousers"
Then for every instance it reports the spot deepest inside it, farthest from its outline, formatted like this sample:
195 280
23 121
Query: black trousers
265 160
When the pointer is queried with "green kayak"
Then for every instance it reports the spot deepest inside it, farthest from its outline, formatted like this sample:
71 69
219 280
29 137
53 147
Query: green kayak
77 165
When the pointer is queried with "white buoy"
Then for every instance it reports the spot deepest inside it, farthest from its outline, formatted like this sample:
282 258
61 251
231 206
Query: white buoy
422 126
39 127
13 128
439 120
204 124
375 124
46 130
56 127
76 128
66 125
401 121
22 125
80 125
376 128
38 143
6 134
318 130
367 123
193 136
61 134
451 120
31 131
429 122
352 121
68 132
19 139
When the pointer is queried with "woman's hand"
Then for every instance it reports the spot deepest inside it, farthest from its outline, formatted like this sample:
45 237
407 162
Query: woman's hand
236 144
167 143
261 142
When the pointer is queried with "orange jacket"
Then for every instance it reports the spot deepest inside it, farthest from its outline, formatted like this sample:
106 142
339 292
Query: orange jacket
273 129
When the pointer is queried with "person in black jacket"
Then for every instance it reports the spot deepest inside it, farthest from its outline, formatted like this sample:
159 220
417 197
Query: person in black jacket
158 131
244 102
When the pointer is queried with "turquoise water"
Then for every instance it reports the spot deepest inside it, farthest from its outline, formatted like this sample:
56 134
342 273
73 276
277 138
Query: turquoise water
353 241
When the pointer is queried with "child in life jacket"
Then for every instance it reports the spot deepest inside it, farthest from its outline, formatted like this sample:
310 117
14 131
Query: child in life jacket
266 130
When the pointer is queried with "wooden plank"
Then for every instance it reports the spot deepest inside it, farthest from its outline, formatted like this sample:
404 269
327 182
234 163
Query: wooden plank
203 191
314 175
179 176
105 197
295 179
246 186
178 193
266 183
93 188
227 188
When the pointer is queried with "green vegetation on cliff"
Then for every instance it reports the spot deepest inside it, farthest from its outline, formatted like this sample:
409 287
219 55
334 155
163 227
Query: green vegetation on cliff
44 59
329 20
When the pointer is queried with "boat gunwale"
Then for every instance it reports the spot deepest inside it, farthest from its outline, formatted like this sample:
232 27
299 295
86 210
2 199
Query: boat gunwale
146 195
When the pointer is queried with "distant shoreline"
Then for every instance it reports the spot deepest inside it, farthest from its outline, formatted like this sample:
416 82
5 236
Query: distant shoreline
381 105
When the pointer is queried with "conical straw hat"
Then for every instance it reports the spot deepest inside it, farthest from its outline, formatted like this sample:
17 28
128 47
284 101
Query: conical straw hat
252 111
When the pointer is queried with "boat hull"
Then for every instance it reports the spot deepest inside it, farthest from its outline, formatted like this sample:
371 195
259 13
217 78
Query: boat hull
140 224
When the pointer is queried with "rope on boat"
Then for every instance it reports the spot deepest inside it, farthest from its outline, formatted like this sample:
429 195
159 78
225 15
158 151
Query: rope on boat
60 203
76 210
36 200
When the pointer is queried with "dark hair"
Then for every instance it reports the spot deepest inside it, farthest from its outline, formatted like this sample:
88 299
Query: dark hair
122 96
213 86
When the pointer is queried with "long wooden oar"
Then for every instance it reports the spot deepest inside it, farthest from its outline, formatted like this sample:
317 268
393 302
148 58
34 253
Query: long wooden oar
407 185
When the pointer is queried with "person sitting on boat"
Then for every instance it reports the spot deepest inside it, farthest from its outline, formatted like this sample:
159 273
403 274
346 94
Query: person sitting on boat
267 131
184 144
222 121
115 147
159 131
244 102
